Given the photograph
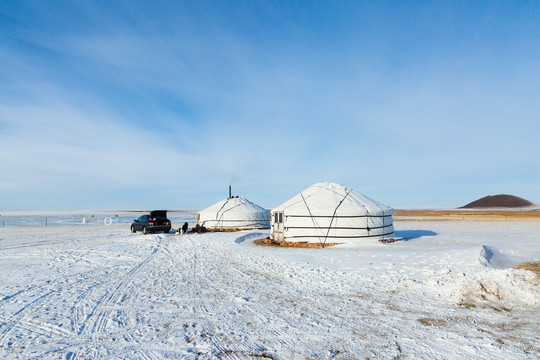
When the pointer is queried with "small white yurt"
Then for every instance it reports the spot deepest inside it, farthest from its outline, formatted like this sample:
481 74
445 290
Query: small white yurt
234 213
328 212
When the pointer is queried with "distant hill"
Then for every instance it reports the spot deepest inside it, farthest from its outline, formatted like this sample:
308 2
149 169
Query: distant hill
498 201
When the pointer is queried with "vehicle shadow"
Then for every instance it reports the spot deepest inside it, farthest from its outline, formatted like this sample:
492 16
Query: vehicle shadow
414 234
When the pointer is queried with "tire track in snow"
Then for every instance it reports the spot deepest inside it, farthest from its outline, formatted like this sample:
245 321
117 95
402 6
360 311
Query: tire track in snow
47 329
237 275
308 316
203 281
19 315
100 315
19 319
212 279
184 260
92 324
245 276
197 281
15 295
65 237
77 311
87 326
31 245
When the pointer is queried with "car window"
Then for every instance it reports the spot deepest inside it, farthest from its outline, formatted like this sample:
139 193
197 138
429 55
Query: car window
140 218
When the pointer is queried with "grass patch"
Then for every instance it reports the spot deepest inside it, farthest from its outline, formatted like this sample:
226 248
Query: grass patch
270 242
531 266
488 215
432 322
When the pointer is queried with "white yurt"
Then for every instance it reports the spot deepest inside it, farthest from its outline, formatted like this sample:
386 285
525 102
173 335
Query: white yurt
328 212
234 213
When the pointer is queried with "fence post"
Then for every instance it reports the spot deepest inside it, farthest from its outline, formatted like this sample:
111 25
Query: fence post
45 221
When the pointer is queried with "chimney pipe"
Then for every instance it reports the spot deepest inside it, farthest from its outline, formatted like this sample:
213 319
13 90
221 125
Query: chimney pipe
230 191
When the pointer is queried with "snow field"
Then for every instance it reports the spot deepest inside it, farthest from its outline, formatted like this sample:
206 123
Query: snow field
101 292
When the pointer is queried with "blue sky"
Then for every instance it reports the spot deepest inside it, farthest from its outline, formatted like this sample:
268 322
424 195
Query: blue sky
139 105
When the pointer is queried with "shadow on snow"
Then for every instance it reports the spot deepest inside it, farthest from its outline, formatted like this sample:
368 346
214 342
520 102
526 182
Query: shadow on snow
243 238
414 234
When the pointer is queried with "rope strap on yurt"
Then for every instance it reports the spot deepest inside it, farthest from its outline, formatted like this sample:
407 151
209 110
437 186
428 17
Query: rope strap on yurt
220 222
223 213
333 216
309 211
368 217
382 218
218 217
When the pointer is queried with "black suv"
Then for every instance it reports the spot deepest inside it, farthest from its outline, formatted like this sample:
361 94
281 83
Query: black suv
156 221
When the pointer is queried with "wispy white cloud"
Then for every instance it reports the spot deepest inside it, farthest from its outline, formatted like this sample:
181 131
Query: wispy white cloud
188 105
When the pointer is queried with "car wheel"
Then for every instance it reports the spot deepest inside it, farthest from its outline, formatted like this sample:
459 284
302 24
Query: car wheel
144 231
132 229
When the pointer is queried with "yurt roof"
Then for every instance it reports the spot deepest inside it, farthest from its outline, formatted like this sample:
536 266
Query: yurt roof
325 198
236 205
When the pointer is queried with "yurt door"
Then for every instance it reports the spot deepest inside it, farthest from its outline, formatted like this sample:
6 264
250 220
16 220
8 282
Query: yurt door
278 226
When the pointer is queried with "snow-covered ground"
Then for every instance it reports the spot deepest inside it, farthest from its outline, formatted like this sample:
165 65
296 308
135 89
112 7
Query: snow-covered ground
445 292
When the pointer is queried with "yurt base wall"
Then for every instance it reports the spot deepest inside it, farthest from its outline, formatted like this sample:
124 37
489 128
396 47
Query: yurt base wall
215 224
333 233
231 229
334 240
298 229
